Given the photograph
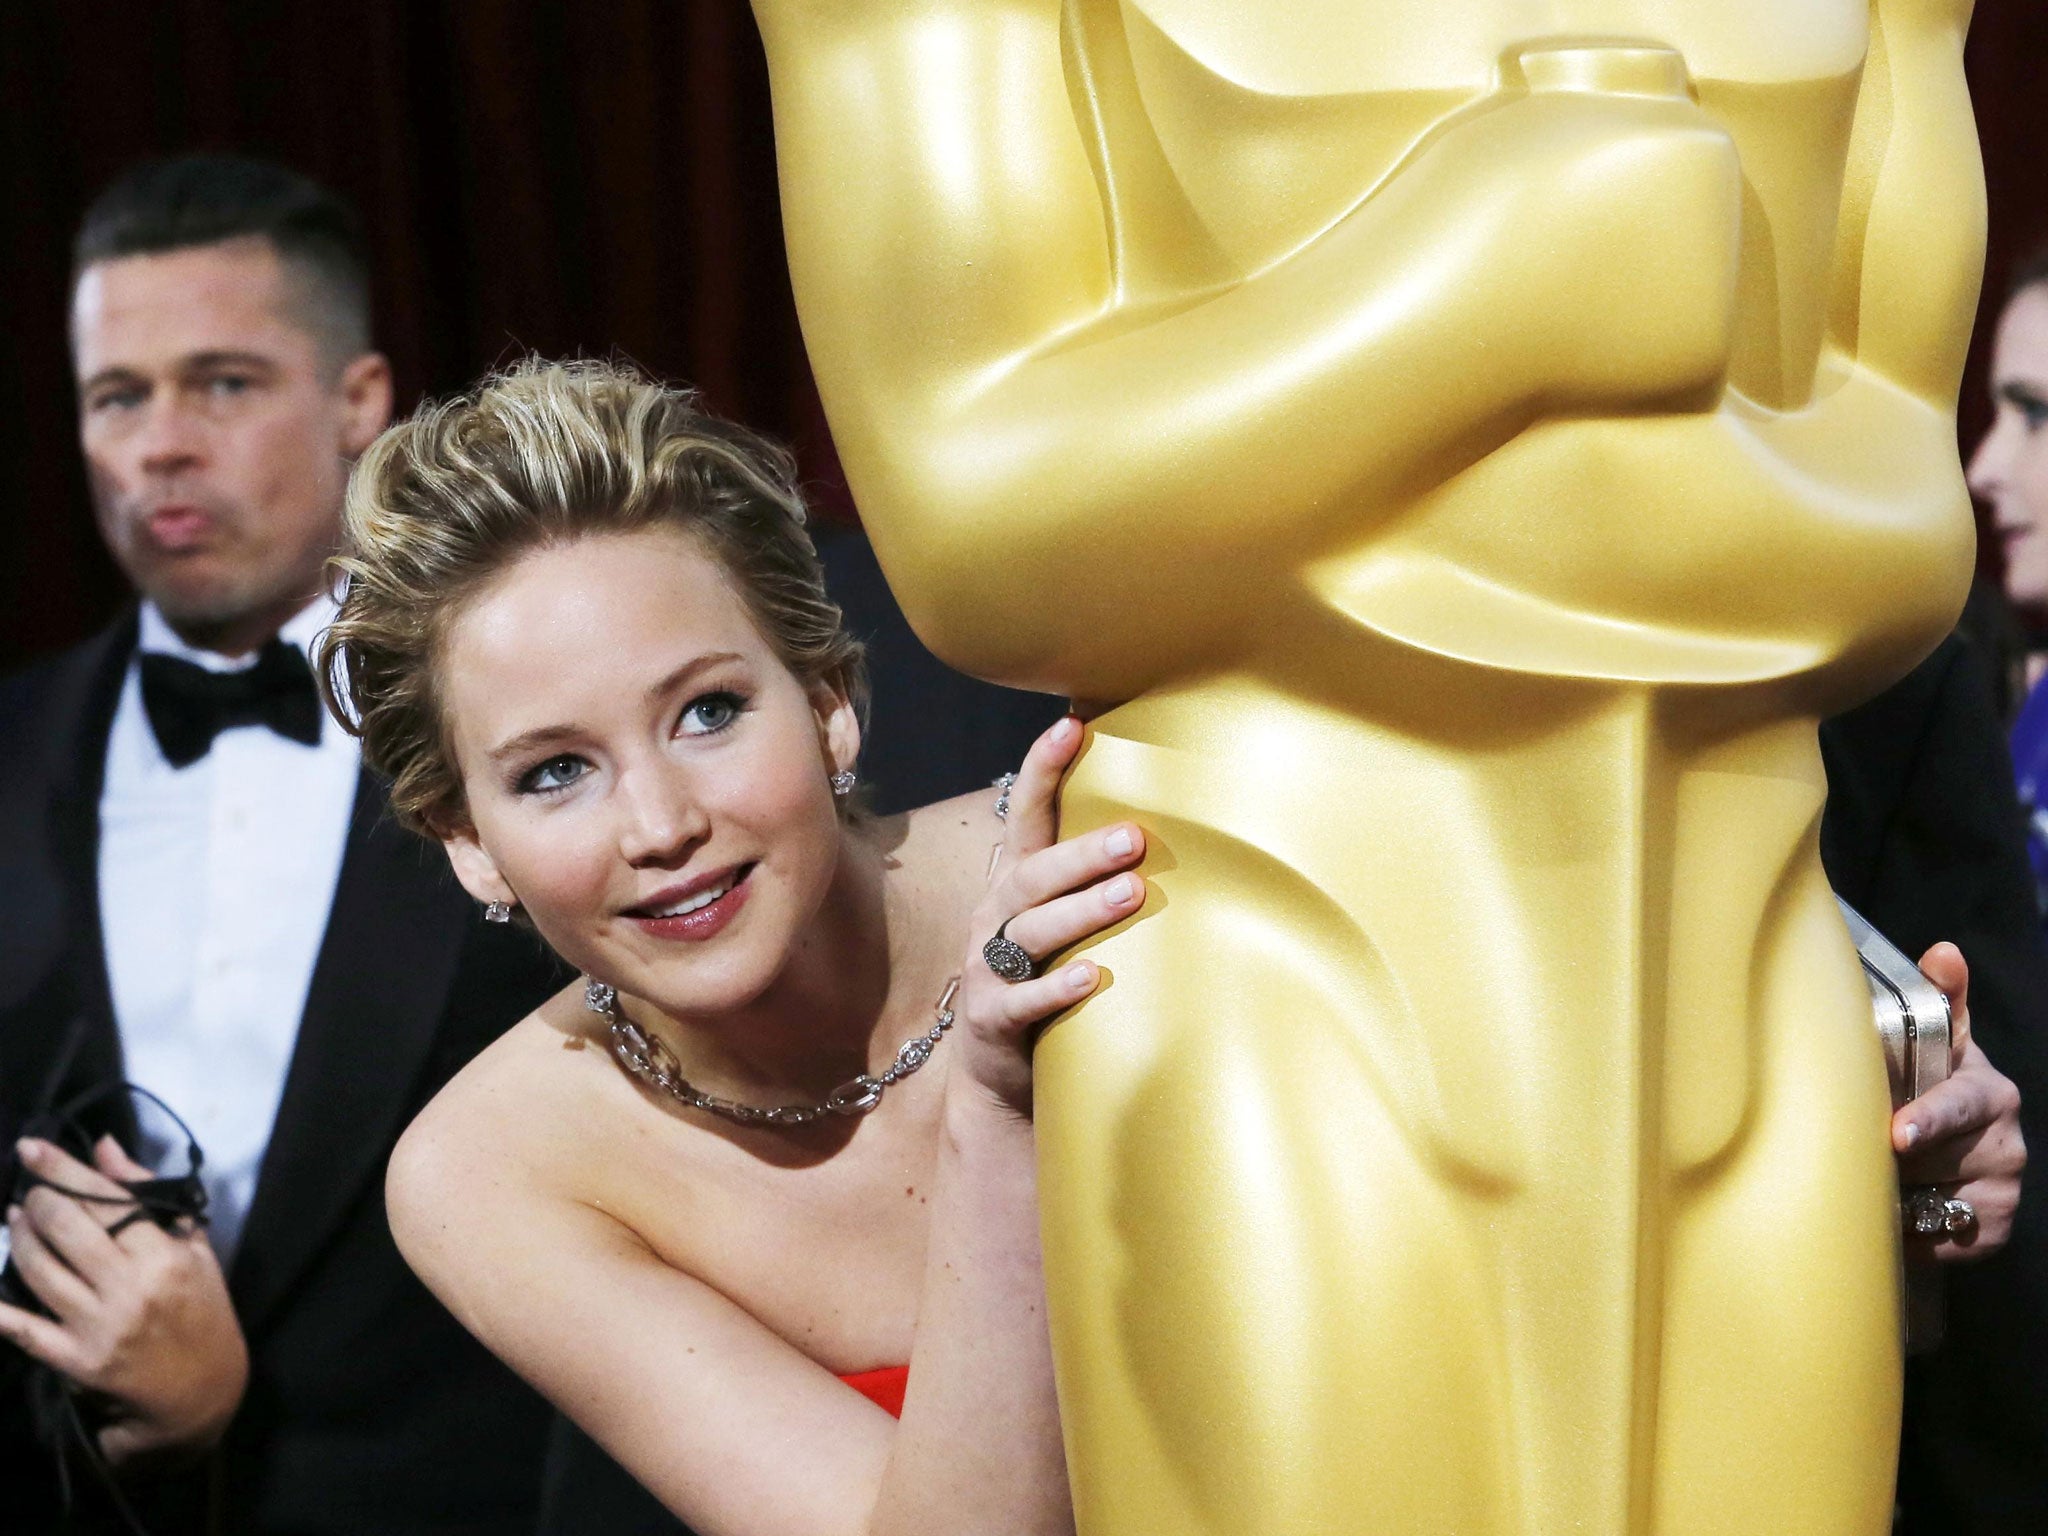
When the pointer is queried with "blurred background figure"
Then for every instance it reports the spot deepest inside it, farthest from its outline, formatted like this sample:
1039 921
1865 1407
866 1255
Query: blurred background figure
205 897
2009 474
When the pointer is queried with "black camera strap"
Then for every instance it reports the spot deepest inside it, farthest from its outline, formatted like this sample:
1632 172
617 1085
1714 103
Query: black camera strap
169 1202
176 1202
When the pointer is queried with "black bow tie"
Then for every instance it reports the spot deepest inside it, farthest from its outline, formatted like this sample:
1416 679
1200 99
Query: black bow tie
188 705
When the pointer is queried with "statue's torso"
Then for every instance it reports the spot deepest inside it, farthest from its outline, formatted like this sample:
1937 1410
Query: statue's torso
1722 544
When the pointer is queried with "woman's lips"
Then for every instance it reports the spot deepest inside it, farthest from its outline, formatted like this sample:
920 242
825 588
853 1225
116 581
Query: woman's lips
706 920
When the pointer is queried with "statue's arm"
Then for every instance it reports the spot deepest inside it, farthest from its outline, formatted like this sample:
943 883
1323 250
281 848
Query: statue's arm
990 390
1910 244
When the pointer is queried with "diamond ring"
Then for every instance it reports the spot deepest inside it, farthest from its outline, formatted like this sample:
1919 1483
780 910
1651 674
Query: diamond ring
1007 958
1929 1214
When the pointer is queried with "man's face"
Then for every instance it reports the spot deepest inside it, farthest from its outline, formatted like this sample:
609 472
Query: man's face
217 434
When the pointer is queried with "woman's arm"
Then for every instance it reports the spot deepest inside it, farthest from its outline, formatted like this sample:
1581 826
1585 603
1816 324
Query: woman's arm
981 1424
728 1425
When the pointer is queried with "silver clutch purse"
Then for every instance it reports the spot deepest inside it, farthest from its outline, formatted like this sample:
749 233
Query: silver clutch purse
1913 1023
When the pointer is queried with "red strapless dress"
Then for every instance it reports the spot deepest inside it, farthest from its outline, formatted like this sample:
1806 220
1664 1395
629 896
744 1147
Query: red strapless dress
884 1388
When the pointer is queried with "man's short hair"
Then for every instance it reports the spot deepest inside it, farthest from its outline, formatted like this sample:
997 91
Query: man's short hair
198 200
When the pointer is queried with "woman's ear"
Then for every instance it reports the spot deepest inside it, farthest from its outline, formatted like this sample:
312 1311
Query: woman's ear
475 868
838 727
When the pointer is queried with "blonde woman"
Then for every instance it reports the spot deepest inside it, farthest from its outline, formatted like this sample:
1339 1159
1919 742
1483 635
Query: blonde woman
584 635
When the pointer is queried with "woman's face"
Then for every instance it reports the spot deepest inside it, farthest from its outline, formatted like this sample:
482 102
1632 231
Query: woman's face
2009 471
643 774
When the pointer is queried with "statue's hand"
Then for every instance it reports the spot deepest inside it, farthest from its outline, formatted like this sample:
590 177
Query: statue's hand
1616 208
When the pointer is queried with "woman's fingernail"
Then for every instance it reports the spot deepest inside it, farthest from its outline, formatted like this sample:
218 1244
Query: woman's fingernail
1118 843
1064 731
31 1150
1080 976
1120 890
1912 1135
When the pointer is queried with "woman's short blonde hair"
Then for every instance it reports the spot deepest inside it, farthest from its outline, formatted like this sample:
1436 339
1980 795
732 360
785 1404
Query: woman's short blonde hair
542 454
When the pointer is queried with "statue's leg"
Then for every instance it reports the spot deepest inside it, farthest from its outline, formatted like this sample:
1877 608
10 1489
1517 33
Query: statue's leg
1271 1310
1779 1390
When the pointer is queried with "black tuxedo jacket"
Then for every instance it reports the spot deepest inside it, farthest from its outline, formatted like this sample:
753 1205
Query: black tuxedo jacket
369 1409
1923 836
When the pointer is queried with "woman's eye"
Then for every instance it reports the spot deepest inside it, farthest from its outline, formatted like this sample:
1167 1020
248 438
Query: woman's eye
225 386
711 714
555 773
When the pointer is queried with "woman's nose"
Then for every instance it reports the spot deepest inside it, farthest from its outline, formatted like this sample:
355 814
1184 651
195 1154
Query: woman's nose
663 820
1986 473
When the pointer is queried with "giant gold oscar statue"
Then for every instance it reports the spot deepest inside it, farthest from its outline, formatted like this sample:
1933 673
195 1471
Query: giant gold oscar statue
1462 446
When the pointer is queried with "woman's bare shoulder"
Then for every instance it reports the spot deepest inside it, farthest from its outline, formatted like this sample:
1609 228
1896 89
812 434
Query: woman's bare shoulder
946 845
522 1123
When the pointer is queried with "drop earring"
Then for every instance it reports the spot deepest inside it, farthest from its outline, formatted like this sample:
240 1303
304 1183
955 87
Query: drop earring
497 911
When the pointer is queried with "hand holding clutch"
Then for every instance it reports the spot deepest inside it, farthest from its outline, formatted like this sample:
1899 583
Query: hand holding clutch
1962 1138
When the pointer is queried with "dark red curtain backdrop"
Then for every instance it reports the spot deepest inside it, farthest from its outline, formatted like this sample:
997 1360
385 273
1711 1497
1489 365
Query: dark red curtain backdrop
566 177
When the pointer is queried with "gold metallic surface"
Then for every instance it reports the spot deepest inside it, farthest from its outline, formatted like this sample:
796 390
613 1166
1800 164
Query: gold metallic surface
1471 443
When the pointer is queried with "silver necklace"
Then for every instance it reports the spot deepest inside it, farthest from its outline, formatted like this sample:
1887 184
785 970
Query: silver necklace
654 1064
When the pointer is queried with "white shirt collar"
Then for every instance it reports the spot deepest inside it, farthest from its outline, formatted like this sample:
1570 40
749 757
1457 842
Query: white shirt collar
158 638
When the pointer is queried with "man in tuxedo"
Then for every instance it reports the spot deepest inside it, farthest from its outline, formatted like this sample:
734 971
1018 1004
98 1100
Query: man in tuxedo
201 894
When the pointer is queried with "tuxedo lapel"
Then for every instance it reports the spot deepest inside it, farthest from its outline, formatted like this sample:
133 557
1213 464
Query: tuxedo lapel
53 978
75 827
380 985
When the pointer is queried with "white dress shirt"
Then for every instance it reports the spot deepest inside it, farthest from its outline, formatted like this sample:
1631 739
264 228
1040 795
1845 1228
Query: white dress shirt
215 881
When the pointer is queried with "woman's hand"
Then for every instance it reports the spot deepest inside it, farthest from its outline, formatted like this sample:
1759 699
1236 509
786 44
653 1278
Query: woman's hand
1045 896
1962 1137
